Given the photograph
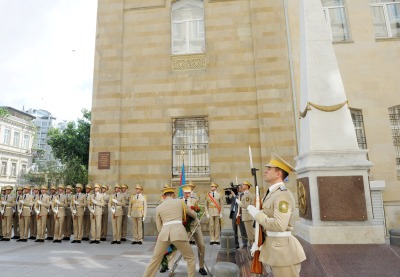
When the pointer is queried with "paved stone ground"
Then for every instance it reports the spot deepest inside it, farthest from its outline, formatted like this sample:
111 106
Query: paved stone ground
97 260
66 259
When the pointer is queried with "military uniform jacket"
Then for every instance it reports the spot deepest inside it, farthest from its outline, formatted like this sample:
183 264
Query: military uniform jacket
246 200
79 208
117 207
61 207
106 198
171 210
211 209
44 207
68 209
98 207
138 205
51 197
191 202
26 206
278 208
9 206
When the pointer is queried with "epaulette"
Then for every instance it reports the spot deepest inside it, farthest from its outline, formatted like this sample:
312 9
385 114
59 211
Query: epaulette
282 188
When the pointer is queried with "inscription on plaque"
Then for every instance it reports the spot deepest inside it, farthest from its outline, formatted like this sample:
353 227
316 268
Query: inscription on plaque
342 198
104 160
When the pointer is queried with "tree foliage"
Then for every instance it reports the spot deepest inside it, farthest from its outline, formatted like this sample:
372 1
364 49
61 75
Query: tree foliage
72 143
71 147
3 112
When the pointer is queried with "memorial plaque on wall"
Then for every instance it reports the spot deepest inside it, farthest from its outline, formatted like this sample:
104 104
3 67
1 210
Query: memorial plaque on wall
342 198
104 160
303 195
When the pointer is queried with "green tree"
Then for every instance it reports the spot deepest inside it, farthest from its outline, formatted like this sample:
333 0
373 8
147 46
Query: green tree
71 147
3 112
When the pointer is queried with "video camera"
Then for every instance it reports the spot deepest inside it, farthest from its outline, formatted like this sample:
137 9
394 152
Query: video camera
228 192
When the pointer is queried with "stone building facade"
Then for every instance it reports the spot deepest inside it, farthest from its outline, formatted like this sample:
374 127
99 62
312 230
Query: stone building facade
199 81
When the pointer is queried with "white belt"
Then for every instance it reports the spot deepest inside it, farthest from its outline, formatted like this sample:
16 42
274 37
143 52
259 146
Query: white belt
172 222
279 234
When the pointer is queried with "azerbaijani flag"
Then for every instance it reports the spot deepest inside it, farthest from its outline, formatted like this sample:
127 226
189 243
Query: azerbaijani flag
183 180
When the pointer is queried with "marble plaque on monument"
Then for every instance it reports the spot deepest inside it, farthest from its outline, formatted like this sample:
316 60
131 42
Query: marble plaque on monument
303 194
104 160
342 198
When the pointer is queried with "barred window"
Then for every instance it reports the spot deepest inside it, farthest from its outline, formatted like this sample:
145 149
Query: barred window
335 14
358 122
187 25
190 146
394 117
386 18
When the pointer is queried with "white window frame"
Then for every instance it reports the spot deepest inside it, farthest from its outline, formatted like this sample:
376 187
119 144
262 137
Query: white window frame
26 141
3 168
7 136
328 21
16 139
14 169
384 6
189 27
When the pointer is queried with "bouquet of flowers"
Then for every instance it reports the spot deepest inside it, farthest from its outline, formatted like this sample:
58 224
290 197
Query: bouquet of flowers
199 211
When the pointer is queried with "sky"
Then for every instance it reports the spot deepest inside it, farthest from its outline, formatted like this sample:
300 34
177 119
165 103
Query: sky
47 55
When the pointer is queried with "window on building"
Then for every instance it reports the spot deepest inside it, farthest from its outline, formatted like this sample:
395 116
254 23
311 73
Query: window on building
26 142
4 168
23 169
13 169
190 146
394 117
386 18
16 139
358 122
187 27
335 14
7 136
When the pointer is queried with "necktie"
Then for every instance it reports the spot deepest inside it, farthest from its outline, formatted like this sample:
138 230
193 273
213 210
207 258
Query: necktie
266 195
186 201
137 196
77 196
213 194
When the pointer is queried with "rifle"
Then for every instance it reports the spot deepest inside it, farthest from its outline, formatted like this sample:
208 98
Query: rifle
256 266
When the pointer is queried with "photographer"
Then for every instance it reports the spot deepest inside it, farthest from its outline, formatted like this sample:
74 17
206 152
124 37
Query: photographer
235 216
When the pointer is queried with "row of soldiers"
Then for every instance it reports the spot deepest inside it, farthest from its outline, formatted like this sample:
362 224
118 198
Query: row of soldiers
60 212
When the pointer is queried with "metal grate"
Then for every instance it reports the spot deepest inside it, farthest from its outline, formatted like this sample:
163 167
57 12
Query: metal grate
358 122
190 145
394 117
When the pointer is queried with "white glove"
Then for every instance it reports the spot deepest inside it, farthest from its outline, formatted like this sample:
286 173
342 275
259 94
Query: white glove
129 215
76 202
207 216
220 215
115 201
40 202
58 201
237 201
21 201
254 248
4 202
144 219
253 210
94 201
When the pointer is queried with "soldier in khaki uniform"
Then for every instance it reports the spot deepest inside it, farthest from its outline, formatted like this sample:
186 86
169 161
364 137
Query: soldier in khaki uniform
195 227
104 216
282 251
68 214
24 210
42 205
86 214
246 200
50 216
169 215
116 205
59 205
95 205
214 213
3 192
15 217
33 224
7 206
137 211
78 204
124 227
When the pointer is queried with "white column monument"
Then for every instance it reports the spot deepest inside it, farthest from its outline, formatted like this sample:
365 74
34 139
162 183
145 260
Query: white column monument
332 185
